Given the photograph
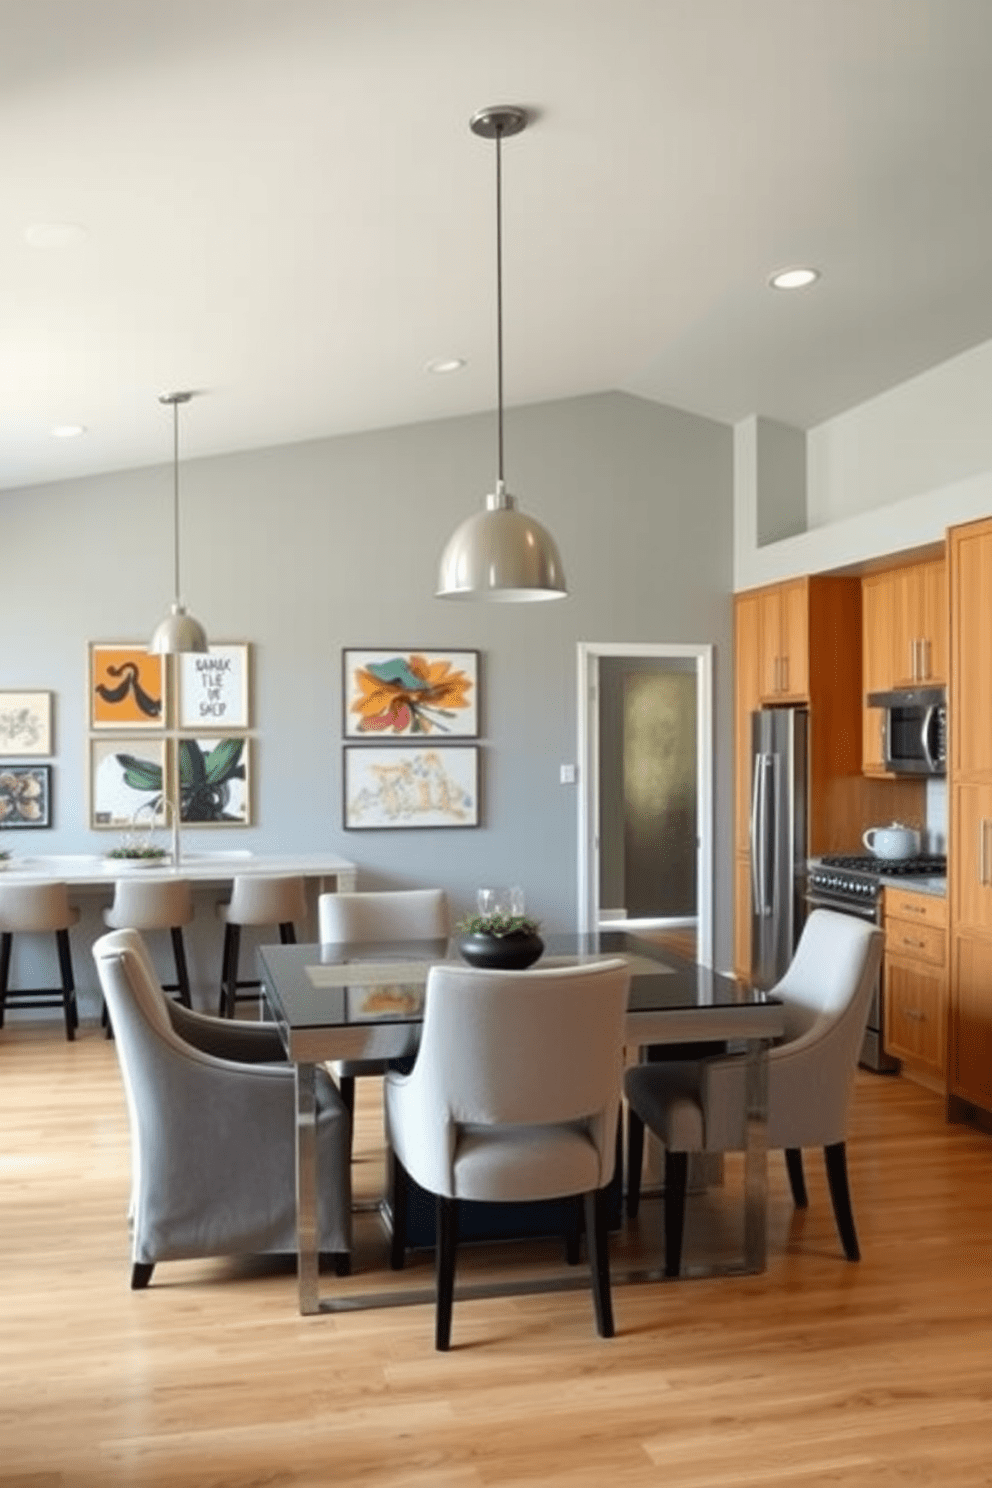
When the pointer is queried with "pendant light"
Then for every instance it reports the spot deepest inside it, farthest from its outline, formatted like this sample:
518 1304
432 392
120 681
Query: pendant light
500 554
178 631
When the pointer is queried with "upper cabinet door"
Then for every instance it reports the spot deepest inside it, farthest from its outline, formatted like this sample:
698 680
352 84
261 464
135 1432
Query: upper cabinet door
971 652
783 625
935 620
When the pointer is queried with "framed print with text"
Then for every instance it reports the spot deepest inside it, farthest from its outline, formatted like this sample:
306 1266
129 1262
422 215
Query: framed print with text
410 787
126 687
406 693
213 688
25 723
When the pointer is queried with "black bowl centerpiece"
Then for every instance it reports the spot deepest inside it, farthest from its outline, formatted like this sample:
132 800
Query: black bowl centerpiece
500 942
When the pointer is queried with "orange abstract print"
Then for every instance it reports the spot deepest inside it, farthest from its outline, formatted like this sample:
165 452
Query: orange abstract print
126 688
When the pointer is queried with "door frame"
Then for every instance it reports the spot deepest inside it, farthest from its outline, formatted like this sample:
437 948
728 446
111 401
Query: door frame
589 653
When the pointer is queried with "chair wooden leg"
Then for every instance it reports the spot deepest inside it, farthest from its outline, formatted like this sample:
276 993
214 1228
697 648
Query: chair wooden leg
342 1263
346 1087
676 1174
6 941
141 1275
597 1240
398 1199
797 1180
69 1009
446 1245
287 932
182 970
840 1194
573 1230
635 1161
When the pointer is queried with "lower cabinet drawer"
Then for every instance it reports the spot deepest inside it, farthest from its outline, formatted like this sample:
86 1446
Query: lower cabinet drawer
916 1015
923 942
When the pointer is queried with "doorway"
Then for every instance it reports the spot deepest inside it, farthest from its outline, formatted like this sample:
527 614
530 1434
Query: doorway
645 791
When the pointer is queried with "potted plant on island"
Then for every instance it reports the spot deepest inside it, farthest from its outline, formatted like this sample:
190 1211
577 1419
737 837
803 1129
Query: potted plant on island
499 942
143 856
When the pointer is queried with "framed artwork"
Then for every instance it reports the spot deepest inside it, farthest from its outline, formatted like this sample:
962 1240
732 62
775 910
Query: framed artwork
127 783
410 787
214 780
406 694
26 796
213 688
127 687
25 723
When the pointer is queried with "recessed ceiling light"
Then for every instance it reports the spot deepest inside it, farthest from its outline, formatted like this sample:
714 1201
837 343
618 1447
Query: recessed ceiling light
446 364
68 431
54 234
794 278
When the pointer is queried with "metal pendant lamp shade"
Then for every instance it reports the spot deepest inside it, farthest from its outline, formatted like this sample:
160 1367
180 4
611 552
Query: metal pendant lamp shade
500 554
179 631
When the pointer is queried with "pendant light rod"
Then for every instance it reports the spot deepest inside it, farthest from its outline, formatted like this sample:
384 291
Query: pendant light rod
175 399
497 124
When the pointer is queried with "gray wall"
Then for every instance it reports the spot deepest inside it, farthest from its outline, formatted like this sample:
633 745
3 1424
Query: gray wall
307 548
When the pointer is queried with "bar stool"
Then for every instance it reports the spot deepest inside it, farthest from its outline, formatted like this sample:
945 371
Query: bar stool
156 904
29 909
256 901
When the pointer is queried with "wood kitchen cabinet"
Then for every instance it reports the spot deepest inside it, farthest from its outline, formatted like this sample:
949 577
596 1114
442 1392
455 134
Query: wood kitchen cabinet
904 640
915 984
783 642
970 802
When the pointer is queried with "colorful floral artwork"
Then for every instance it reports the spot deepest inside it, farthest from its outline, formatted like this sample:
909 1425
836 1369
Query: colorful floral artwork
399 694
213 781
126 783
25 796
127 687
405 787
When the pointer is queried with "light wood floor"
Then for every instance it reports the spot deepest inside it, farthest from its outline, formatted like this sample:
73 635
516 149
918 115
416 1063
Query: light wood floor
817 1373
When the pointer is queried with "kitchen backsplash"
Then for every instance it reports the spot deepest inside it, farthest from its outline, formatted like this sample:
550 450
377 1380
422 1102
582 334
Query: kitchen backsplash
936 830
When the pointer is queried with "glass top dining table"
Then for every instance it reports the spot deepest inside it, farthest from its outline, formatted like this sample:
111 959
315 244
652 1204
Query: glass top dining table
362 1001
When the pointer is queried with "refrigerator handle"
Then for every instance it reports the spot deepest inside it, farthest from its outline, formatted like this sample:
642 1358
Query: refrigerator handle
760 834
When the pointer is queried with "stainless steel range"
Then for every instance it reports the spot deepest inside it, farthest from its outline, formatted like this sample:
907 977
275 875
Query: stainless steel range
853 885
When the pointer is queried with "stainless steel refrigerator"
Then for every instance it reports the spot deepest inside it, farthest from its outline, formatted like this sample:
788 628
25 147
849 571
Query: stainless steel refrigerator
779 806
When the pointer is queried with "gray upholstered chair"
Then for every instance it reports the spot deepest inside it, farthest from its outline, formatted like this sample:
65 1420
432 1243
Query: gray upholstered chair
378 916
147 903
34 909
699 1106
514 1095
212 1131
256 900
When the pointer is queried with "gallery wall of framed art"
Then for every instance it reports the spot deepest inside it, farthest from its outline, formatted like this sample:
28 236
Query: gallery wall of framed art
405 712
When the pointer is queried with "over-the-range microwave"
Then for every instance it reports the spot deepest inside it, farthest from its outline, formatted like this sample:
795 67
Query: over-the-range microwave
914 729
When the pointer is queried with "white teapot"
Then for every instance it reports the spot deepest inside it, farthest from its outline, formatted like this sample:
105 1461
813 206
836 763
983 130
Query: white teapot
892 842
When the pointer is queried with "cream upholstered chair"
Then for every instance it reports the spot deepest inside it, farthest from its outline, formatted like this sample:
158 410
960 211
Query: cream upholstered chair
278 900
379 916
514 1095
143 903
213 1151
700 1106
33 909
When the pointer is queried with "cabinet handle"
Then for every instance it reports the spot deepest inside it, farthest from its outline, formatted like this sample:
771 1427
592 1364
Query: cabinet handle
916 945
926 650
913 909
912 659
982 852
785 674
914 1015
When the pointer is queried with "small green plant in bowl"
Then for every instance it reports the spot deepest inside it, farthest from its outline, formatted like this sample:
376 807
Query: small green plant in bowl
145 854
501 942
4 858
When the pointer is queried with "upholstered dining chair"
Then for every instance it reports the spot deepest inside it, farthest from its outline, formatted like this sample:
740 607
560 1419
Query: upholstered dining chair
379 916
212 1130
514 1095
699 1106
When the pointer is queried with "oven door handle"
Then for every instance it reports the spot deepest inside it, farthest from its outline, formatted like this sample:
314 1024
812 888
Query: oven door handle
868 912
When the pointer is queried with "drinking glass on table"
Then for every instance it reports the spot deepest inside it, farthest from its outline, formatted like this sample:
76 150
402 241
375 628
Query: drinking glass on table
501 901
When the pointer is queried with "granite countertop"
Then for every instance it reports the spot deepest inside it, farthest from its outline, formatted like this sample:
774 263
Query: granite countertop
936 885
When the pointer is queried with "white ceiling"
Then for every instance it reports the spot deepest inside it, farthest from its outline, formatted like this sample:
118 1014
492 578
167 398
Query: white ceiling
284 208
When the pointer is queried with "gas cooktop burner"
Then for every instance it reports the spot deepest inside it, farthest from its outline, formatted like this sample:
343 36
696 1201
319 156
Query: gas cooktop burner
921 867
